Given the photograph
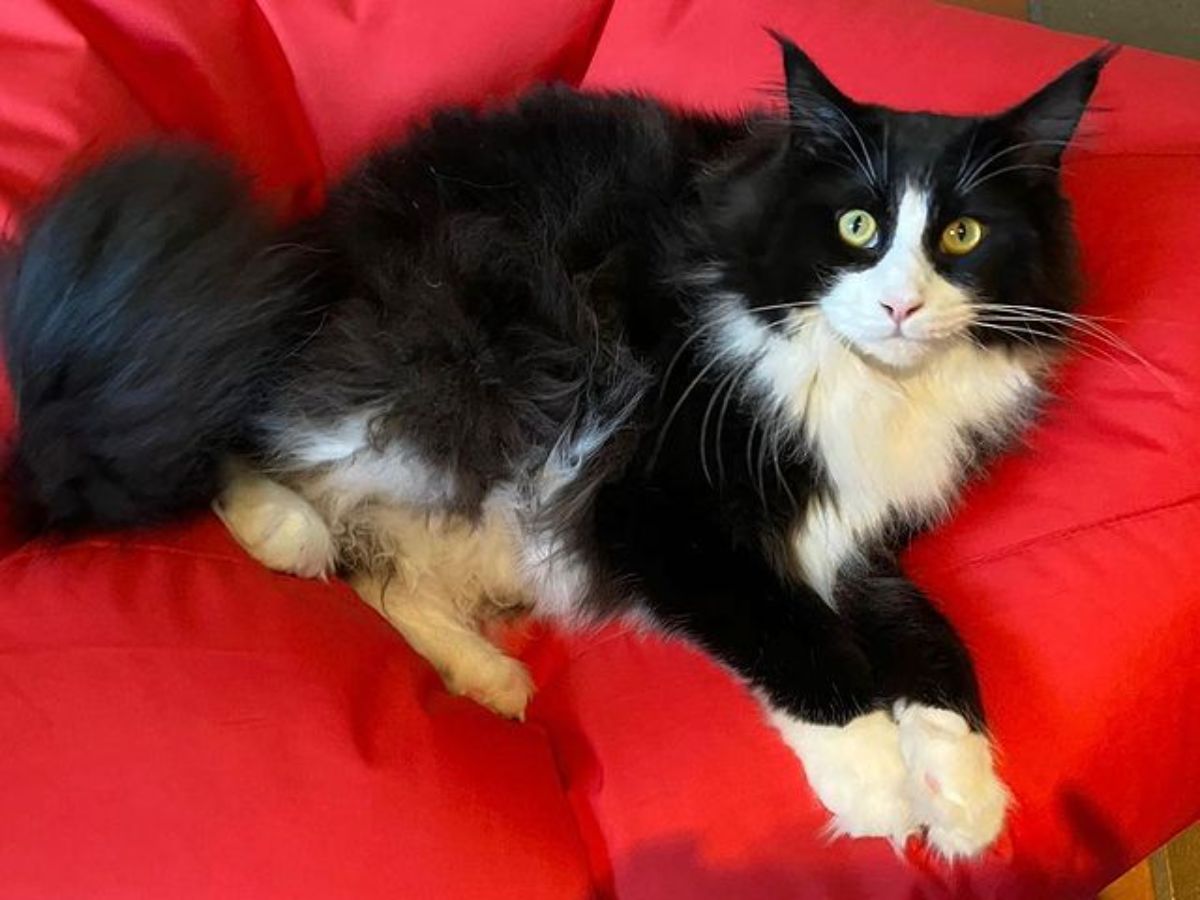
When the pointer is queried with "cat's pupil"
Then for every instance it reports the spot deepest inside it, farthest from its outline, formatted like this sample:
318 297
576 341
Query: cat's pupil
961 232
857 225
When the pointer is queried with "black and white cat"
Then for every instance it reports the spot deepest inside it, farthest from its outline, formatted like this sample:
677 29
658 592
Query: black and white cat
597 358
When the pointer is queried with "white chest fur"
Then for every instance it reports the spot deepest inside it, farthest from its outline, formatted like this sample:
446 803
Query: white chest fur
891 446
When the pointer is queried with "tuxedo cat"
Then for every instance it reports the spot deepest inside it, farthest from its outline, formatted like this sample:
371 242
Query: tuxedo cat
593 357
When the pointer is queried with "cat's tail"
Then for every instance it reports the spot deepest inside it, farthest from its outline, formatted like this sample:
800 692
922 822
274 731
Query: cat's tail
145 313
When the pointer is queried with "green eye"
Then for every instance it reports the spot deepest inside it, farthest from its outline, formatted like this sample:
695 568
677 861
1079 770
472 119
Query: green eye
962 236
857 228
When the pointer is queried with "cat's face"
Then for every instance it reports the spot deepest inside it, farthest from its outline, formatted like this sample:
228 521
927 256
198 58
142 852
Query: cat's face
910 231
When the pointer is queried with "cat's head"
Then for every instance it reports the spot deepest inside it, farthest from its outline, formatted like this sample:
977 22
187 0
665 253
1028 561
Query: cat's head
907 231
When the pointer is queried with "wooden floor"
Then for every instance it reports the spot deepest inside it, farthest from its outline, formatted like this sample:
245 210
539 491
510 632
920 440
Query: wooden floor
1136 884
1172 873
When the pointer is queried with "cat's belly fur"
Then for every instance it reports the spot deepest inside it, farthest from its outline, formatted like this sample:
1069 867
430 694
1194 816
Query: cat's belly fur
391 509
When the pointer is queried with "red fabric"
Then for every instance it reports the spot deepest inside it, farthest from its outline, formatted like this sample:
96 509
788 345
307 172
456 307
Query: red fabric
177 722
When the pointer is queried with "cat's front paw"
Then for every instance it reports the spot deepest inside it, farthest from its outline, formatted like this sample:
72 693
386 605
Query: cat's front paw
952 784
857 772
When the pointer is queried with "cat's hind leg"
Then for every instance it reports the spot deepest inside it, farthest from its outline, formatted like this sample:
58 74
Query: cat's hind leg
276 525
438 578
437 627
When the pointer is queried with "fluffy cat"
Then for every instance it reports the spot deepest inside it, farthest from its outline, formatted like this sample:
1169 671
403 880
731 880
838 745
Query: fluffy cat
593 357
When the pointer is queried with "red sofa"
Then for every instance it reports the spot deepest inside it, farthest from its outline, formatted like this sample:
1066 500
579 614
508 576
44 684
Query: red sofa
177 722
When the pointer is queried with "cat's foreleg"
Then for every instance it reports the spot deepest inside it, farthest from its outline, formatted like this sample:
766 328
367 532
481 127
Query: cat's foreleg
925 674
811 675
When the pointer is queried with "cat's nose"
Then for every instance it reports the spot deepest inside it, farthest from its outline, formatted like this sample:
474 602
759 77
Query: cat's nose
899 310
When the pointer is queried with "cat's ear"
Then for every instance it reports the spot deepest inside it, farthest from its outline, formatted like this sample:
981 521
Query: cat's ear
819 112
1041 127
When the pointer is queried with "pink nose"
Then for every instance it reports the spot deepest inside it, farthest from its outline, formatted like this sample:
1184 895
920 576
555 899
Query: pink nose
899 310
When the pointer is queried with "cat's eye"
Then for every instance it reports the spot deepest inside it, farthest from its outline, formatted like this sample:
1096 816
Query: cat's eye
962 236
858 228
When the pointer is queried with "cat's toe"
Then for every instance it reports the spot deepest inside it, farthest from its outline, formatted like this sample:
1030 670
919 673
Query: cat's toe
856 771
952 784
499 682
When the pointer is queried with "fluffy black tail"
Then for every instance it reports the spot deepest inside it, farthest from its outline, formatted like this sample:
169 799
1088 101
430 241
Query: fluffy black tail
145 317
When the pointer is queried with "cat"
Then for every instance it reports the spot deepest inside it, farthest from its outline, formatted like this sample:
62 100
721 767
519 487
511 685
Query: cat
592 357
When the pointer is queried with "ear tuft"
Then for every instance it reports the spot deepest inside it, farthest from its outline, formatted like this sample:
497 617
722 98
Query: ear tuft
1046 122
818 110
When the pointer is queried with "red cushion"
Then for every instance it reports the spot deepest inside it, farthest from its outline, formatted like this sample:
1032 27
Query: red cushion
178 722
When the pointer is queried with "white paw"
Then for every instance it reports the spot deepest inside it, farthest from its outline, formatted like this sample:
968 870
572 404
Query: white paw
277 526
952 784
856 771
496 681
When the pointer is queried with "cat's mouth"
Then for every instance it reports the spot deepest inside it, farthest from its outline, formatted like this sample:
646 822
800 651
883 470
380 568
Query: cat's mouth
898 353
859 323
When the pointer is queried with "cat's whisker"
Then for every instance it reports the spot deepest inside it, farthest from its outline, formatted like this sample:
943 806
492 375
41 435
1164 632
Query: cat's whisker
861 166
761 468
1083 328
966 157
1018 326
864 162
998 172
863 144
885 157
735 387
964 184
776 445
843 166
754 423
662 435
1077 323
1025 333
798 304
1048 315
1046 311
687 342
945 333
951 320
1100 353
1079 331
1027 341
721 385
